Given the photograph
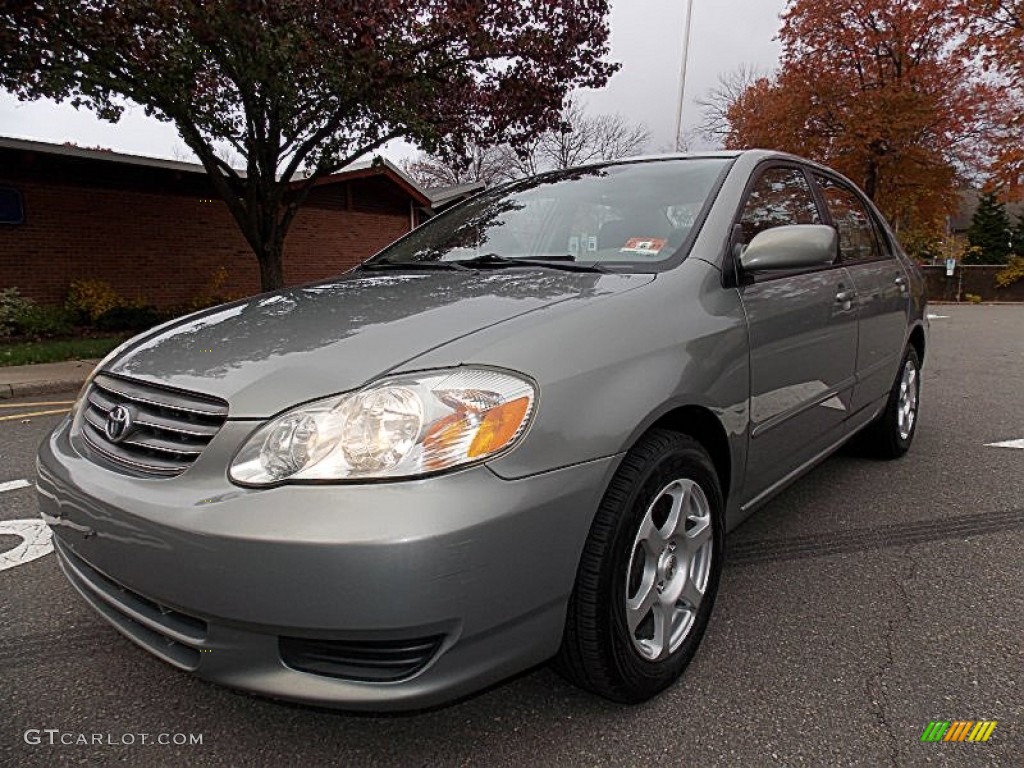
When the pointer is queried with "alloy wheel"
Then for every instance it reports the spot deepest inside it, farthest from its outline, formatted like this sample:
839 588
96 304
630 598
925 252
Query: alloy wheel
906 408
668 569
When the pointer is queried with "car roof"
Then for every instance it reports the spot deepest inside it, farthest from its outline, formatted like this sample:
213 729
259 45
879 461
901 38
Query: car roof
724 154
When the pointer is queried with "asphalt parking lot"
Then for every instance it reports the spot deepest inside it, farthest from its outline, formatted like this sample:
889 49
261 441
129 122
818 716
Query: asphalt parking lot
866 601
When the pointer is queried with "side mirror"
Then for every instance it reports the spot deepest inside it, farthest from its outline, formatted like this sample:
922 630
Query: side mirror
794 246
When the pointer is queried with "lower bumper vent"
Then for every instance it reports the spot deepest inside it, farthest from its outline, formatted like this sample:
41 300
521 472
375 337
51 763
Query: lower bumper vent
371 661
173 636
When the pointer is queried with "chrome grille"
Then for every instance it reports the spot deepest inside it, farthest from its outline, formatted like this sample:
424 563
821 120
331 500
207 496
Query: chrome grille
168 429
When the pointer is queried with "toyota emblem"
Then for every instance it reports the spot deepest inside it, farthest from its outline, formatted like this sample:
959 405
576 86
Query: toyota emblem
119 423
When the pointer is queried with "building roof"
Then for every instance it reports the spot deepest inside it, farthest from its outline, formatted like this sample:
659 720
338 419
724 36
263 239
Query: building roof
97 153
377 166
359 169
442 197
968 204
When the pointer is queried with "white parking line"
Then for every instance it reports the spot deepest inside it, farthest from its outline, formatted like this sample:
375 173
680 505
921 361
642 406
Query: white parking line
17 416
34 405
14 485
1007 444
37 541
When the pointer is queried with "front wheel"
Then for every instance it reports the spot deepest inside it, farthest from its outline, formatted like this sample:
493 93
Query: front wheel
649 572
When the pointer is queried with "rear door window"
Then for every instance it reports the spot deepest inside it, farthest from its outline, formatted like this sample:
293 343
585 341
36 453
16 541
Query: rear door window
858 238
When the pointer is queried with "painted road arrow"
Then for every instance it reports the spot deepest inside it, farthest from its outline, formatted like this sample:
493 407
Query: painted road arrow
36 541
1007 444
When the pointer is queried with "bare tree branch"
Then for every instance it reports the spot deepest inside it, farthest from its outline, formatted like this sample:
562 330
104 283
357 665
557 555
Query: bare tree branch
714 125
491 165
579 138
583 138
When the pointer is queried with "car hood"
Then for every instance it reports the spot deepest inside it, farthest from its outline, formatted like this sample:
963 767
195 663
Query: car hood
276 350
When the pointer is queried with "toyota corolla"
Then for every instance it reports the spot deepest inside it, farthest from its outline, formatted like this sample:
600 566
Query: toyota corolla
519 433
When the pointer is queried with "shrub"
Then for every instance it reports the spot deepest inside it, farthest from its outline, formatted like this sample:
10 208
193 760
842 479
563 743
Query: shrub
89 299
1011 273
922 246
13 308
211 295
22 316
129 318
44 322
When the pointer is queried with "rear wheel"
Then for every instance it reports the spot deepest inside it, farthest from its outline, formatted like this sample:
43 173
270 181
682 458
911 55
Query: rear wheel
890 435
649 572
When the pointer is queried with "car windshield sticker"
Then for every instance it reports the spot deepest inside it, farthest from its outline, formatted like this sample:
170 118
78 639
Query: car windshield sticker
592 243
645 246
574 246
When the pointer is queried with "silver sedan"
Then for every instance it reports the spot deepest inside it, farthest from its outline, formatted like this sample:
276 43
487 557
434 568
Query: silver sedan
519 433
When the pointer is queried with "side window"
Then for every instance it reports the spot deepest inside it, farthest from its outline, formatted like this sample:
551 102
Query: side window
12 211
781 196
858 240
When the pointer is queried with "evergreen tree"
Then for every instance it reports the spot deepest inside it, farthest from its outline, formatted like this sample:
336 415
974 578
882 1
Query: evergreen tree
990 232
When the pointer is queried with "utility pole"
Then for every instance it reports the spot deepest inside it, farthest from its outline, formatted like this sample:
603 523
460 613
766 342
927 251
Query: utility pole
682 75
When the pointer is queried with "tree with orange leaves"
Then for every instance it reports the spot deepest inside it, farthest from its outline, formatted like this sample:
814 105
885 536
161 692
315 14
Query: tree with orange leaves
996 35
877 90
996 30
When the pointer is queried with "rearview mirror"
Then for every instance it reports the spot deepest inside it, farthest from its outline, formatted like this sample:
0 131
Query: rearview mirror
794 246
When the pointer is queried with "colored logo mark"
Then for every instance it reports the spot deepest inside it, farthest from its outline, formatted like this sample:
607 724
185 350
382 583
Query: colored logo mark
958 730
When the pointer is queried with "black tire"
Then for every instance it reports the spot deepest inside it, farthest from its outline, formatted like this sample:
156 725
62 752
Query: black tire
883 438
598 651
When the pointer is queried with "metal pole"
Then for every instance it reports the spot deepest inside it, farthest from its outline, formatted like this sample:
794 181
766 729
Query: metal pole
682 74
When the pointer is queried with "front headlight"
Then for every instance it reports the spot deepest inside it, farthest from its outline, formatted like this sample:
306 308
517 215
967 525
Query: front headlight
403 426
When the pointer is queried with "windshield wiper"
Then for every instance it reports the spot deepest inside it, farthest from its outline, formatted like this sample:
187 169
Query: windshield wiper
397 265
564 263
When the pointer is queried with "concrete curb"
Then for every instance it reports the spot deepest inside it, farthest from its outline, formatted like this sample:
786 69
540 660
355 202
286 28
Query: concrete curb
32 388
44 379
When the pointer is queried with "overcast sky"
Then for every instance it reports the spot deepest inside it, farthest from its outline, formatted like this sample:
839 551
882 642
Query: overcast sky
646 39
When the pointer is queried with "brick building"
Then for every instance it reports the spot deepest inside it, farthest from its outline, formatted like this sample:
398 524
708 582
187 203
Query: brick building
155 230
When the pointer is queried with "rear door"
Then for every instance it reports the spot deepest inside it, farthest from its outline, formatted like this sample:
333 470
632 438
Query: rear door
803 339
880 282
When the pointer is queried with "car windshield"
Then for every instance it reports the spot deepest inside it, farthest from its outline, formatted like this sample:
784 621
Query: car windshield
630 216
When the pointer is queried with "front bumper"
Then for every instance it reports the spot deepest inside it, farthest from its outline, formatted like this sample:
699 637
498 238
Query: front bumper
472 570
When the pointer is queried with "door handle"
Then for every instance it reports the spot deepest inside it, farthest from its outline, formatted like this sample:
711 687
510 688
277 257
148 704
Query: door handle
846 298
901 283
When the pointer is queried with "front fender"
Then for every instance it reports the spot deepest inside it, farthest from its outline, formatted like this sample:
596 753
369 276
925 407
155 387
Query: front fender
609 369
